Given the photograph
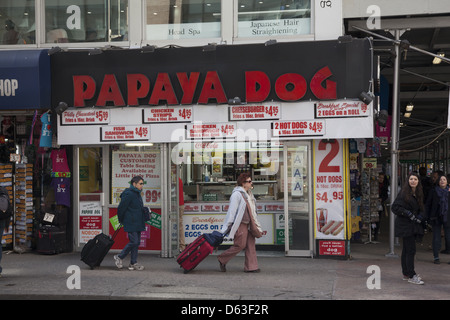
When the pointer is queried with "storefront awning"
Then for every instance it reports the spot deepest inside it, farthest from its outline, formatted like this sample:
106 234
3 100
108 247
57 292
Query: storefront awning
24 79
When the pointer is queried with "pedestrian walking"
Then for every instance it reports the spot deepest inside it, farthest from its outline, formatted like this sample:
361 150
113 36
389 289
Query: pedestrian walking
409 209
245 228
132 215
438 215
383 189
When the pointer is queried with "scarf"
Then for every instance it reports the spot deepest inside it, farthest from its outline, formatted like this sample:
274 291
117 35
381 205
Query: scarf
443 202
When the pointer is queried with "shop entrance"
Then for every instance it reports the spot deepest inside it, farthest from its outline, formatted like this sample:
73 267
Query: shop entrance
297 199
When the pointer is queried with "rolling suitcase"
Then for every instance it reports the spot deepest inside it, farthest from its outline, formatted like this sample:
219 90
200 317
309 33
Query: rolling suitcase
194 253
95 250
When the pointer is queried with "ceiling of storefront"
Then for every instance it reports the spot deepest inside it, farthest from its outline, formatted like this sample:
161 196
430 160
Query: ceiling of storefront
421 82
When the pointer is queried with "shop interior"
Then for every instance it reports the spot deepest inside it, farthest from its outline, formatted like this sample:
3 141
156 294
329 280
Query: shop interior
39 189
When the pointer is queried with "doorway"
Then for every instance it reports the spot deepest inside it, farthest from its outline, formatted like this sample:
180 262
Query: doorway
297 198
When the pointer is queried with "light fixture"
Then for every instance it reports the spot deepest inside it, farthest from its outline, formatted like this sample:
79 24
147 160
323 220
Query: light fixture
148 49
210 47
345 39
270 42
366 97
95 51
407 114
436 60
54 50
61 107
234 101
409 107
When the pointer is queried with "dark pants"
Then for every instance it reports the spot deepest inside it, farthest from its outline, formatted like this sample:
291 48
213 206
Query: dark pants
132 247
408 253
2 227
437 227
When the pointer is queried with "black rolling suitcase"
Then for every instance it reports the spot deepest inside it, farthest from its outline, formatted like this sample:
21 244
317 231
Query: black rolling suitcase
95 250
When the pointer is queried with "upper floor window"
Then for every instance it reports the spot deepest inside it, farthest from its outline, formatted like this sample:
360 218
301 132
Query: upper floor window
273 18
18 21
86 21
183 19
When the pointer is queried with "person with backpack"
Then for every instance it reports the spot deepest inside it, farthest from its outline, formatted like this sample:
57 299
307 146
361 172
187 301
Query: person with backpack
5 217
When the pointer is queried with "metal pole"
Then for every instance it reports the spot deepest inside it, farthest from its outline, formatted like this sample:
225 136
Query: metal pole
394 144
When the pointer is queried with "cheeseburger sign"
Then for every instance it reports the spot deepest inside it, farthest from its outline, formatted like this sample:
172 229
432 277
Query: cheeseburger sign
286 72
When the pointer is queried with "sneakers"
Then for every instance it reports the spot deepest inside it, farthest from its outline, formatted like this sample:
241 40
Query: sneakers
119 264
118 261
415 280
136 266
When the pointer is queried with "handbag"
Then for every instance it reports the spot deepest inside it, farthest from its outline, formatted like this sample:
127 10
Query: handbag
254 231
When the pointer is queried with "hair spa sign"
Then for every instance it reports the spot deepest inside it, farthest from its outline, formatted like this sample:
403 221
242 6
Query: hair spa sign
290 72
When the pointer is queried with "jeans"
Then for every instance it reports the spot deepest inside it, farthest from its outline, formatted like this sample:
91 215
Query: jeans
437 238
2 228
132 247
408 254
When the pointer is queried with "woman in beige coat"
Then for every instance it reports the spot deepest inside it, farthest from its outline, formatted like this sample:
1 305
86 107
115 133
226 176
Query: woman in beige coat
239 217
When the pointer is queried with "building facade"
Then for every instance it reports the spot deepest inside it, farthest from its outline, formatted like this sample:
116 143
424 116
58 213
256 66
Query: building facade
189 94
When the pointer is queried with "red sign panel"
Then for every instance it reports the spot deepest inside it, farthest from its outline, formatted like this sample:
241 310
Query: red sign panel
331 248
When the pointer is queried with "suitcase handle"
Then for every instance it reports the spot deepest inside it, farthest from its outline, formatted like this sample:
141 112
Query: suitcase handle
116 232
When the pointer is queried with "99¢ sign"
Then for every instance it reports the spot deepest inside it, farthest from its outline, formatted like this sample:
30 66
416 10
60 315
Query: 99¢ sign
329 189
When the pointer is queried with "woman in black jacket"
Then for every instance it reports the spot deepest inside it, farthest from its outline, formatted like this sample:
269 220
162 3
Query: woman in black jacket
409 209
438 204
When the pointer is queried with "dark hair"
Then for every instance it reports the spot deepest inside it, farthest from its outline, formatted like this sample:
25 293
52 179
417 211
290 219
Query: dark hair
136 179
242 178
407 191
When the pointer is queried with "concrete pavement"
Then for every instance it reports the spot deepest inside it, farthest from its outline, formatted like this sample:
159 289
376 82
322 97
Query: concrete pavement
35 276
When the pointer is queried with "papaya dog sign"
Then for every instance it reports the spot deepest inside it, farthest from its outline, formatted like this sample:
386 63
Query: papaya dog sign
285 72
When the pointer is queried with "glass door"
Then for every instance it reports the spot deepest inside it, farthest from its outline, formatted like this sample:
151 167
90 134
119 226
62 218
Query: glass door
89 191
297 199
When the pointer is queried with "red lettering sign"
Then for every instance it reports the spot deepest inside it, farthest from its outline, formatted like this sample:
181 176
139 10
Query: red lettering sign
138 87
288 87
212 89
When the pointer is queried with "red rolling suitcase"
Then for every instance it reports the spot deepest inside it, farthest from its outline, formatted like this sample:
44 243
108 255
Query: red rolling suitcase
194 254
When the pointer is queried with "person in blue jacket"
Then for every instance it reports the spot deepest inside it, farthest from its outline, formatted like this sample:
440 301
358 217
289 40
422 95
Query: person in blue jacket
132 215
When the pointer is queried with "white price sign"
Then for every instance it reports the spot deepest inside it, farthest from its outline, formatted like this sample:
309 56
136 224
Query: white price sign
125 133
298 128
167 114
255 112
211 130
83 117
341 109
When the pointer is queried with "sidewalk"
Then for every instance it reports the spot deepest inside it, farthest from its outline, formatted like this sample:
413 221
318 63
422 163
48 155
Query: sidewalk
35 276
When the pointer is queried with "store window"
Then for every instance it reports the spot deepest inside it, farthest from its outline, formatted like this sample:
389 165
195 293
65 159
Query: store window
86 21
183 19
273 18
210 170
130 160
18 20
